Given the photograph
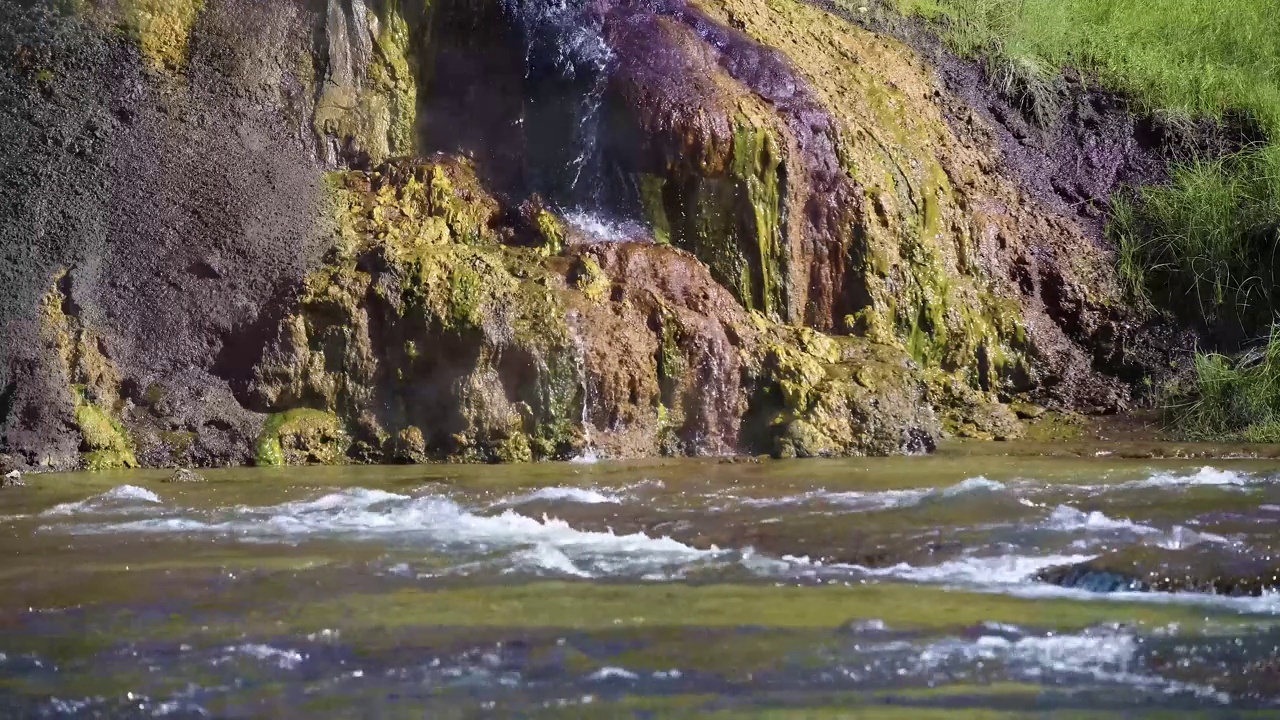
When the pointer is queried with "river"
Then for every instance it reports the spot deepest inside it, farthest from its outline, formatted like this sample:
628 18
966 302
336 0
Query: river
877 588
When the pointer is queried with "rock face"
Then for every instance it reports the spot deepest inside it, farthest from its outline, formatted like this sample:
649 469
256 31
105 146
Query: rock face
322 232
440 329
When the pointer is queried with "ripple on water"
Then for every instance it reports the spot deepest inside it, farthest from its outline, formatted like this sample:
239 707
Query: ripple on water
1204 477
120 499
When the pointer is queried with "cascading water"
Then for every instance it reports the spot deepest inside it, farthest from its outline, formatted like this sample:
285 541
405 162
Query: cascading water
566 74
524 89
588 454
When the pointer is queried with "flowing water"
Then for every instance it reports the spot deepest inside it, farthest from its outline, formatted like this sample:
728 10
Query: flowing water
890 588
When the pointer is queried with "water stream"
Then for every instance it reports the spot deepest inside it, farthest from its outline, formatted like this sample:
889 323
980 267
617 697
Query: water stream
883 588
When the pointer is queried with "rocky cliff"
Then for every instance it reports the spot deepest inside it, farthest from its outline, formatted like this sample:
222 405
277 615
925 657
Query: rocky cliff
506 230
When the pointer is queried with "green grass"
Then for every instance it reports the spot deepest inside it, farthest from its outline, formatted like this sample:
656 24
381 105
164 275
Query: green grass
1233 398
1206 246
1189 57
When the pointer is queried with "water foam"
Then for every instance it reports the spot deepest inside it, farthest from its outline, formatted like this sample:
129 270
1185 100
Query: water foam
612 673
122 498
984 572
548 544
977 484
1015 575
585 496
1204 477
1065 518
284 659
878 500
587 457
601 229
1071 520
1104 655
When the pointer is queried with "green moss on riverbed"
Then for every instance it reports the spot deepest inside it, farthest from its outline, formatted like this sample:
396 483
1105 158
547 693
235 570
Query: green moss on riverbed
589 607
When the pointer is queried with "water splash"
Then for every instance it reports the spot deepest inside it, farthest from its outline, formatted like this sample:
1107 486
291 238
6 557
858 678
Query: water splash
121 499
598 227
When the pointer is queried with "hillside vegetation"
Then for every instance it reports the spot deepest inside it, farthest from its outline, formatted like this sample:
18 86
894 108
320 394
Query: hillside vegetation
1204 246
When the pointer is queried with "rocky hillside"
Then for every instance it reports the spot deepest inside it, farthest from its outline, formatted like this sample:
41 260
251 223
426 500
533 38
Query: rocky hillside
473 230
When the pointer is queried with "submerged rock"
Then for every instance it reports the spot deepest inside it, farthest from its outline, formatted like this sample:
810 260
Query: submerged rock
185 475
1201 569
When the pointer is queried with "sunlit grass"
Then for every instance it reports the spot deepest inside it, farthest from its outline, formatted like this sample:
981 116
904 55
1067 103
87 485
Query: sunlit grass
1199 58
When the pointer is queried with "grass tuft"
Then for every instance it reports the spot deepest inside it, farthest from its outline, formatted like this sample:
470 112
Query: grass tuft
1230 398
1035 86
1208 244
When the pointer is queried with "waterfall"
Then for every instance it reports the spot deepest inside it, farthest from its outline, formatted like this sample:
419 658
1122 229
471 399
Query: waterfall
567 64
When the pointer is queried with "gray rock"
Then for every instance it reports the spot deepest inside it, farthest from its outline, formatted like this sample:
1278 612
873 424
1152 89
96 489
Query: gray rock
183 475
13 479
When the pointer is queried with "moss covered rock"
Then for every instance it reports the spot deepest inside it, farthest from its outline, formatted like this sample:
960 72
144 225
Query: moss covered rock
91 380
441 329
161 28
837 266
368 98
812 165
424 326
818 396
302 437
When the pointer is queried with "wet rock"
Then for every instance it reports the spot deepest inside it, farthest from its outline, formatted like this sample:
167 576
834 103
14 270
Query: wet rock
1202 569
1027 411
303 436
445 330
408 446
835 268
939 254
185 475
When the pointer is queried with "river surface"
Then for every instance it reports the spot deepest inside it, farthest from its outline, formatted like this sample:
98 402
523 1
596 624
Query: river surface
889 588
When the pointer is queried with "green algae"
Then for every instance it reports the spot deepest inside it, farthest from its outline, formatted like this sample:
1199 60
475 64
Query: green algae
550 231
445 307
823 396
93 383
757 163
396 76
590 279
106 442
594 607
376 110
654 206
726 207
301 437
162 29
913 261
